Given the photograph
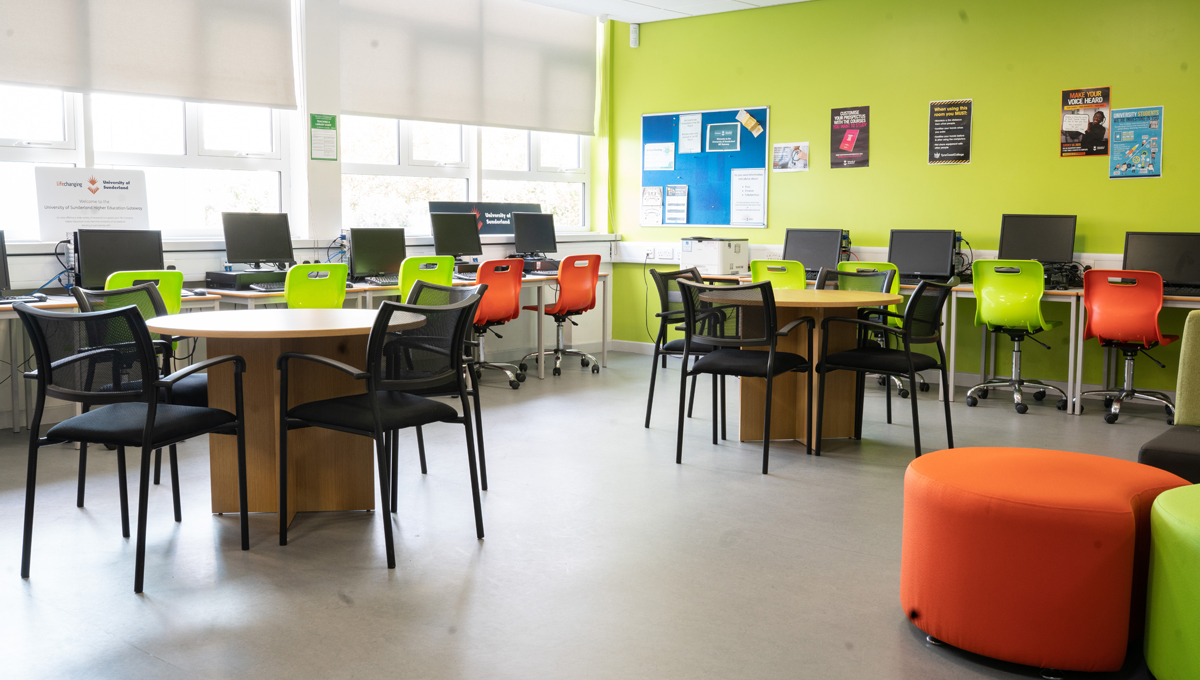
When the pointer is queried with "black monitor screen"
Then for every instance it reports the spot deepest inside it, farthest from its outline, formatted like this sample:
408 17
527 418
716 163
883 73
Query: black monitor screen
1174 255
923 252
813 248
5 282
455 234
100 252
1045 238
534 233
251 238
375 252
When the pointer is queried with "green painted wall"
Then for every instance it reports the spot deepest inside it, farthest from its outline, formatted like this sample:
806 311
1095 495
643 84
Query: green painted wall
1013 58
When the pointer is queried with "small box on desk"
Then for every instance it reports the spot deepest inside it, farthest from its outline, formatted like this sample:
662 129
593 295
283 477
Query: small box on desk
240 280
725 256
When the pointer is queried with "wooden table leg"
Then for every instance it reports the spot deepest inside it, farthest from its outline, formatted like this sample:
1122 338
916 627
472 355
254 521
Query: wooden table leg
329 470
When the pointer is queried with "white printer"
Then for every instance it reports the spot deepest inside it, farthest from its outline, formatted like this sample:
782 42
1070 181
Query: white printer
717 256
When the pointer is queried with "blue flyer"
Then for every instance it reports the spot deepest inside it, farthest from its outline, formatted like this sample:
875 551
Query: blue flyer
1136 143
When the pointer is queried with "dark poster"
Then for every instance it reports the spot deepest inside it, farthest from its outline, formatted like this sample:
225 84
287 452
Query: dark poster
950 132
850 138
1084 128
494 218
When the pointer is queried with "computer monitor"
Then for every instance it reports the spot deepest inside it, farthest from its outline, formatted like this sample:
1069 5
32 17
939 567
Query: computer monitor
534 233
925 253
254 238
5 282
100 252
1174 255
456 234
1045 238
376 252
813 248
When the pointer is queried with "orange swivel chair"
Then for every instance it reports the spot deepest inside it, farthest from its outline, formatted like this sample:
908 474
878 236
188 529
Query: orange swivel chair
501 303
577 277
1122 313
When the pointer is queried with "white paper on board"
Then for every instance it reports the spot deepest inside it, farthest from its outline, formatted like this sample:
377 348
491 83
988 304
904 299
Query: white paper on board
659 156
652 195
652 216
691 136
748 197
676 204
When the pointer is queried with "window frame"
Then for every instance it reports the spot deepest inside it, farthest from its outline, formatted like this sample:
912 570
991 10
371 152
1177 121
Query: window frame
406 147
68 142
202 150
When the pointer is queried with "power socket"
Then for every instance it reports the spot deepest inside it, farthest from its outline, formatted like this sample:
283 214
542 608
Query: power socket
664 253
650 252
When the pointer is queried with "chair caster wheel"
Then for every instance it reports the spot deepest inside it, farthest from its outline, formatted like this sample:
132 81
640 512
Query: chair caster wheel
1108 401
983 394
1039 395
881 381
514 384
1022 408
972 401
1052 674
557 371
1110 418
903 394
595 368
934 641
1170 421
1170 411
583 362
924 387
1061 405
478 374
524 367
520 377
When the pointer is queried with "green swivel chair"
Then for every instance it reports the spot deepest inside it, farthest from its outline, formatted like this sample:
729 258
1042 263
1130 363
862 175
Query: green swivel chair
1177 450
783 274
305 288
1008 299
168 281
893 321
435 269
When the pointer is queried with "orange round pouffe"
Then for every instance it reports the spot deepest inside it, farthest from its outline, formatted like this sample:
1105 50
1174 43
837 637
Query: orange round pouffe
1026 555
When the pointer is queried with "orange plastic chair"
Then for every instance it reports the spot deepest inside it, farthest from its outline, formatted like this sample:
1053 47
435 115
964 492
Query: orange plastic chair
1122 313
501 303
577 279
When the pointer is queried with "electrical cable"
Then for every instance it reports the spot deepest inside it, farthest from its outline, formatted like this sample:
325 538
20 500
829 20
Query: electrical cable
646 297
52 280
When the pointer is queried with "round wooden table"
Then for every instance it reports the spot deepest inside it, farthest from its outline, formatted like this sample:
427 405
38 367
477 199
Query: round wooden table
329 470
790 409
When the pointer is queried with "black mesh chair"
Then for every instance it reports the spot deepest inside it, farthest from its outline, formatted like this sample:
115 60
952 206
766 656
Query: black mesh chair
921 324
107 359
399 364
191 391
730 331
671 315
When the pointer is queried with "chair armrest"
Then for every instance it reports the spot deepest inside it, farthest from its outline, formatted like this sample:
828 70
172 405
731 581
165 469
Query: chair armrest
786 330
861 322
170 380
332 363
669 313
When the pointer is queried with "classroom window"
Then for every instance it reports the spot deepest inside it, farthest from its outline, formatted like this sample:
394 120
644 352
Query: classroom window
240 130
437 143
138 125
395 201
559 151
505 149
563 199
37 127
370 140
33 117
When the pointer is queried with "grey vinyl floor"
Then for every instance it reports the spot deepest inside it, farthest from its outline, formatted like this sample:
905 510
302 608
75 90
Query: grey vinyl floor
603 558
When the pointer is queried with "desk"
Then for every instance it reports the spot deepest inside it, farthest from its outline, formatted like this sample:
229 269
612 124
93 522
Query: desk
329 470
540 283
255 298
790 410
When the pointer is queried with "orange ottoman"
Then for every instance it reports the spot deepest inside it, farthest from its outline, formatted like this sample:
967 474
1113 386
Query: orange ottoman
1026 555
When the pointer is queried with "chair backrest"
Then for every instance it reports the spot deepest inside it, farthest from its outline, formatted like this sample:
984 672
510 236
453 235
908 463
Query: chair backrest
420 358
168 281
437 269
146 297
1187 386
783 274
860 266
923 313
427 294
73 366
1122 306
306 288
1008 294
667 285
577 277
868 281
729 316
502 303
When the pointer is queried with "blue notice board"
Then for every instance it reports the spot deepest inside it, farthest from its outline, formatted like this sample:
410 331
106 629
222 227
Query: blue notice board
707 174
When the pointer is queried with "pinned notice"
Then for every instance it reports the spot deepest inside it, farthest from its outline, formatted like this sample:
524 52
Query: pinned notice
690 133
676 204
748 197
659 156
751 124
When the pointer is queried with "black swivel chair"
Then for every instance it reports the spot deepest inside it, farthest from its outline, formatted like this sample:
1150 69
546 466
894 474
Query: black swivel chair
921 325
671 304
399 364
735 318
107 359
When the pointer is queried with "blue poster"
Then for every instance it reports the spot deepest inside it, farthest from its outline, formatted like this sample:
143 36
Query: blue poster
1136 143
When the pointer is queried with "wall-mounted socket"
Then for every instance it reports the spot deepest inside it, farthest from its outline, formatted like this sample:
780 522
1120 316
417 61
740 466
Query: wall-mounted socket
650 252
664 253
169 264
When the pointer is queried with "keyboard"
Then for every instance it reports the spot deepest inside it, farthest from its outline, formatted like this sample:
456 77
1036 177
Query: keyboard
914 280
1190 291
464 277
543 272
271 287
9 299
383 280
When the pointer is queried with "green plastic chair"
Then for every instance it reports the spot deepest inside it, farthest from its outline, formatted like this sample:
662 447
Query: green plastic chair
302 291
783 274
849 266
1008 299
440 271
168 281
1187 387
1172 645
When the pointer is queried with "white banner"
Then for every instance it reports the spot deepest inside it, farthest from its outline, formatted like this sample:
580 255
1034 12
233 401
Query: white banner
89 198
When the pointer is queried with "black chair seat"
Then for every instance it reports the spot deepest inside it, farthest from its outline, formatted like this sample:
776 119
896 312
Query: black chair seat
191 391
1177 451
122 424
676 347
748 363
879 360
397 410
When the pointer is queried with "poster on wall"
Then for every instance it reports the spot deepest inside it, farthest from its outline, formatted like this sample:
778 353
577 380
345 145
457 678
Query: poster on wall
89 198
850 138
1136 144
748 197
1085 122
790 157
950 132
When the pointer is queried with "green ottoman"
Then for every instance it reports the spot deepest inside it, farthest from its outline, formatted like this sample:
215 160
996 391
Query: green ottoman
1173 600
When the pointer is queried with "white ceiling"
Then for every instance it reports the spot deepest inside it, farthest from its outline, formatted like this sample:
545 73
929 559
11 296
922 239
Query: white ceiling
642 11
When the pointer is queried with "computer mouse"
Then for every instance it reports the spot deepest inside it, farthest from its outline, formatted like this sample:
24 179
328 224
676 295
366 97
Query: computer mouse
40 297
1061 286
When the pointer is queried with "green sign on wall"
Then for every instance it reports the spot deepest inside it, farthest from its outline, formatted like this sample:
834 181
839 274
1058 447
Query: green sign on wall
323 144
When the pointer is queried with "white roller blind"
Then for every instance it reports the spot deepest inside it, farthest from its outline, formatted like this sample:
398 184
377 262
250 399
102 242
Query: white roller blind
501 63
237 51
